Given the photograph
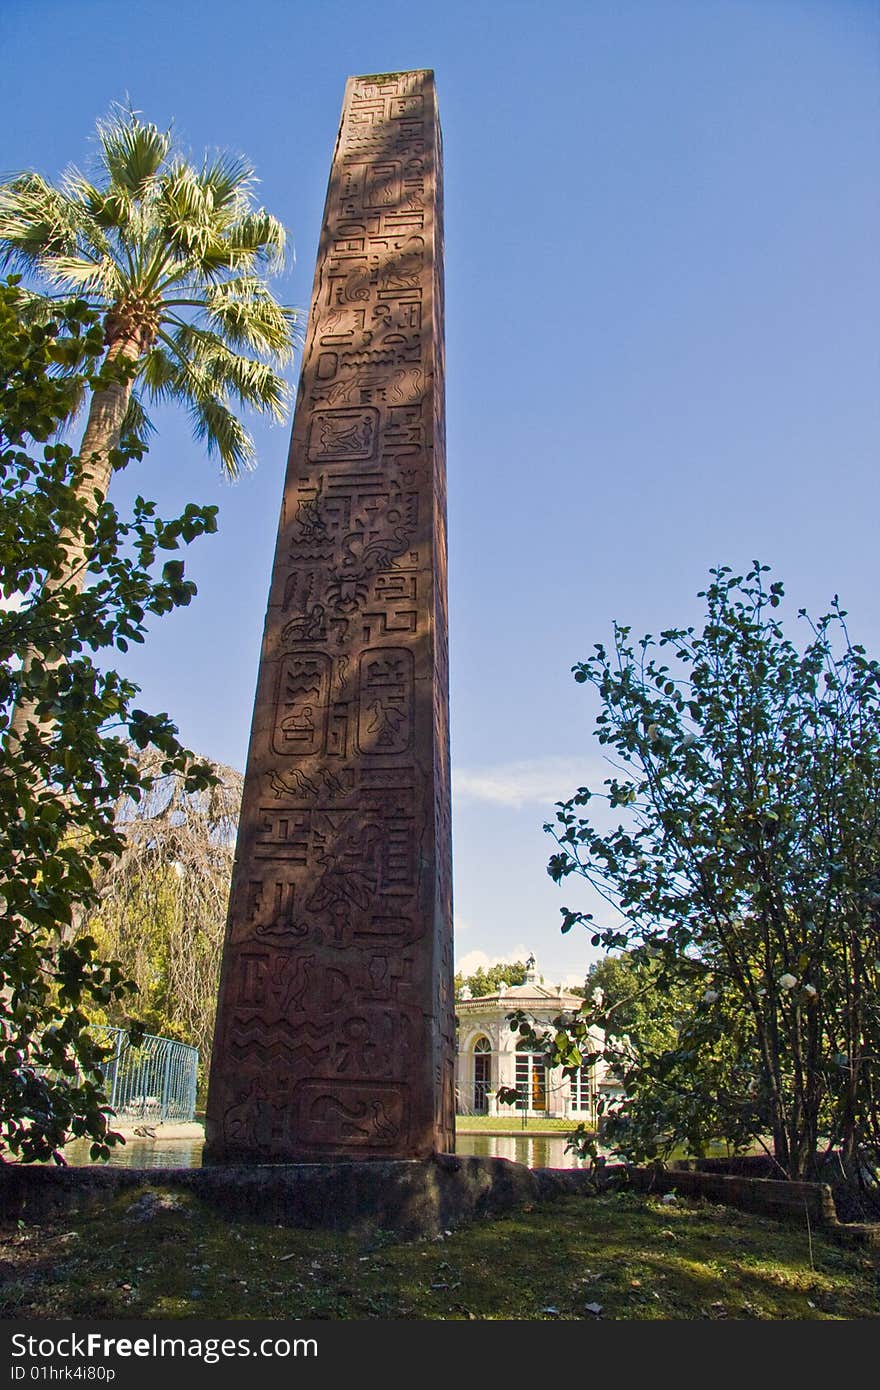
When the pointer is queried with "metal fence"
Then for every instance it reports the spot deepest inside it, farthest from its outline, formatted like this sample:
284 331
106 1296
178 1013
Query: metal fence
154 1081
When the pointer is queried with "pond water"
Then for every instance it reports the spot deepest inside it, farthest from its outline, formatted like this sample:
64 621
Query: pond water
535 1151
142 1153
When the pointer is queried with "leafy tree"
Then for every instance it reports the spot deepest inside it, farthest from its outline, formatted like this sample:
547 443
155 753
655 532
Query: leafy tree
175 260
163 900
62 775
748 776
686 1058
490 981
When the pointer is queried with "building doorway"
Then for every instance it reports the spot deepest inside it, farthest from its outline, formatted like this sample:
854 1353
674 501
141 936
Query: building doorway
531 1082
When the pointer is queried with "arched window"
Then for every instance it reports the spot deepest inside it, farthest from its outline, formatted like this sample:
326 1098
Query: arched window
482 1075
531 1081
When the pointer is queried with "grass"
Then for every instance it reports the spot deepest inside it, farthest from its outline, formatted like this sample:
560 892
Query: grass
507 1124
628 1255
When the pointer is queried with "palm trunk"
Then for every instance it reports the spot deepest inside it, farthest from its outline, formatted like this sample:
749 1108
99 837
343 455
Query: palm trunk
102 434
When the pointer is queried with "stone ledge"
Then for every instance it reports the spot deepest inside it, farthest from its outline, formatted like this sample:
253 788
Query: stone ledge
411 1197
766 1196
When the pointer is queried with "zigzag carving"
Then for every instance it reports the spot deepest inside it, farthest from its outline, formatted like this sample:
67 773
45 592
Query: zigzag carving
277 1051
384 358
305 553
256 1029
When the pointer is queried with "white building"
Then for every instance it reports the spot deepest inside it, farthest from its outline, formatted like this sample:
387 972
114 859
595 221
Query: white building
489 1056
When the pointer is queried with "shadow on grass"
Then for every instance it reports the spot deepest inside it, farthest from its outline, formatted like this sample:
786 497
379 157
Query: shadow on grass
633 1257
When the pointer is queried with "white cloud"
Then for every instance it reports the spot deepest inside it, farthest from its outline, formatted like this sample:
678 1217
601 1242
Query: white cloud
536 781
479 960
572 978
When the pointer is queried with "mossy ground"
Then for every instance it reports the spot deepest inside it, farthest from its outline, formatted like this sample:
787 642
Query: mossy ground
629 1256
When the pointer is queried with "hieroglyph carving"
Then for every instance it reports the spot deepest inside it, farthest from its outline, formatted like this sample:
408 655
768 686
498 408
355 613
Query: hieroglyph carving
334 1030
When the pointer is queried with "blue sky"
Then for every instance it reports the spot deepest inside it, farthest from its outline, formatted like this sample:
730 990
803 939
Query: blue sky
662 342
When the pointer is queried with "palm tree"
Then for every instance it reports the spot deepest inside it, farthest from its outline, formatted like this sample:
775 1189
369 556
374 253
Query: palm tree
176 261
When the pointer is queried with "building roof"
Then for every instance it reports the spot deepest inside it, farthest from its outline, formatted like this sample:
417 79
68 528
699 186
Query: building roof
528 995
522 997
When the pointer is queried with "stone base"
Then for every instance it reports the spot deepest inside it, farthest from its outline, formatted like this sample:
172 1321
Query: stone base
410 1197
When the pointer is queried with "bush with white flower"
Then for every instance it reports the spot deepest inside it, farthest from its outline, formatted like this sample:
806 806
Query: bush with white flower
745 773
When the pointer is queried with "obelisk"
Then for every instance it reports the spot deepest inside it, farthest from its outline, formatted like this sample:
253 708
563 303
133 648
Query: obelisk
334 1034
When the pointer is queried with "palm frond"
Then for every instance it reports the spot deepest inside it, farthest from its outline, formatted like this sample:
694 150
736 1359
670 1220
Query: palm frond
221 431
185 209
131 152
108 211
32 307
230 179
36 220
258 236
137 423
256 239
249 315
77 187
253 382
204 393
81 275
160 374
219 428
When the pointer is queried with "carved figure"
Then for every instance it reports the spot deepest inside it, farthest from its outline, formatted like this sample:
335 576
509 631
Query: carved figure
292 783
345 437
386 722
